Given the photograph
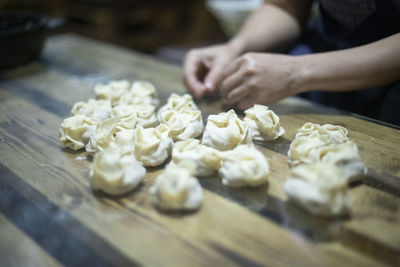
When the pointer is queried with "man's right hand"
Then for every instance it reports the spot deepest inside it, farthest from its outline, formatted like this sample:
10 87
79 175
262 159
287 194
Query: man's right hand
203 68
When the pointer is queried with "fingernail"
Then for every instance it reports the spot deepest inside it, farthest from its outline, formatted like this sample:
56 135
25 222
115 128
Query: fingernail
209 85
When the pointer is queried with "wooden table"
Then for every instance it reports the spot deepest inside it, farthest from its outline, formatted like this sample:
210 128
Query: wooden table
50 216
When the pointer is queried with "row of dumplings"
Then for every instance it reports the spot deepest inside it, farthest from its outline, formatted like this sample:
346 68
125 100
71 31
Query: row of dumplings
323 161
127 134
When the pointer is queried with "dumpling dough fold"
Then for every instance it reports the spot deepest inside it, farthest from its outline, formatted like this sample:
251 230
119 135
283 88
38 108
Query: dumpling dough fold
112 91
152 145
206 159
320 188
177 102
115 173
145 114
263 123
183 124
226 131
76 130
176 189
98 109
141 93
244 166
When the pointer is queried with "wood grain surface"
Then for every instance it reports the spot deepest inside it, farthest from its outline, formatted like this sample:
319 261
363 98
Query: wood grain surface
50 216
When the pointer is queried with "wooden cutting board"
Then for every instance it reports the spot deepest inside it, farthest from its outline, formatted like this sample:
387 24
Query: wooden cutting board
50 216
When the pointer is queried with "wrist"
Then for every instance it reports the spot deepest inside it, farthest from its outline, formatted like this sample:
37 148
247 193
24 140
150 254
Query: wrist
301 74
237 45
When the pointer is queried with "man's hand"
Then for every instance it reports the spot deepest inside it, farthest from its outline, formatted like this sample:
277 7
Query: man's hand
203 68
259 78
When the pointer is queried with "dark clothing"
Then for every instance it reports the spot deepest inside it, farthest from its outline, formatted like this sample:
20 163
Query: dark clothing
350 23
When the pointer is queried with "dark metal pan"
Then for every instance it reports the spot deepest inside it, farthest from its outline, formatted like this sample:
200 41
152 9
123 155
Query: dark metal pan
22 35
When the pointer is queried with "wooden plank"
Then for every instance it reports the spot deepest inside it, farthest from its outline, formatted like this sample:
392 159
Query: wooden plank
18 249
220 233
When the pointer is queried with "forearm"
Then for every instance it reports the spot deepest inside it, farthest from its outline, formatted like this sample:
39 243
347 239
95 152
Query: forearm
367 66
273 27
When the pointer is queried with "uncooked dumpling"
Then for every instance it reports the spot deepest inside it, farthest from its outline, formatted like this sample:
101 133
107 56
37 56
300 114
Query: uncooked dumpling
344 156
98 109
115 173
244 166
153 145
176 189
141 93
75 131
303 149
226 131
336 132
320 188
145 114
125 140
206 159
104 135
177 102
112 91
263 123
183 124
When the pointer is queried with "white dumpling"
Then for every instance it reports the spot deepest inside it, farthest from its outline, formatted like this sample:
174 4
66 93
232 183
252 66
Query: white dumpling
125 140
152 145
344 156
304 149
103 136
177 102
183 124
206 159
115 173
98 109
320 188
112 91
141 93
76 130
336 132
263 122
226 131
244 166
145 114
175 189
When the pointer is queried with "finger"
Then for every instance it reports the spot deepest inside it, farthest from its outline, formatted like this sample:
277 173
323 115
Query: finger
246 103
231 82
237 94
192 69
213 78
232 68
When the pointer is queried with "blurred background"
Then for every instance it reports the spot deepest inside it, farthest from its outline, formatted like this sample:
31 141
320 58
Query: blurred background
165 29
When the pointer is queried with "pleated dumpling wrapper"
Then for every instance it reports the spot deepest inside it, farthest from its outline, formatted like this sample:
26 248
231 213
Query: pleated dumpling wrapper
337 133
145 114
319 188
76 130
125 140
176 189
112 91
141 93
105 132
244 166
98 109
344 156
263 123
226 131
183 124
177 102
152 145
115 173
207 160
310 137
